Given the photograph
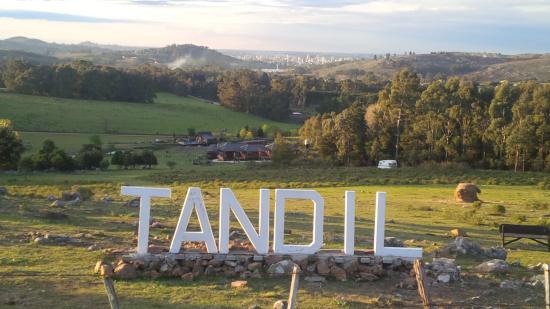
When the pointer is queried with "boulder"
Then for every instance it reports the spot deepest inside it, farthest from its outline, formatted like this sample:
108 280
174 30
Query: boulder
255 265
466 193
125 271
133 203
351 266
338 273
3 191
468 247
282 267
156 225
70 196
280 304
57 204
188 277
493 266
445 270
323 267
106 270
239 284
393 242
368 277
510 284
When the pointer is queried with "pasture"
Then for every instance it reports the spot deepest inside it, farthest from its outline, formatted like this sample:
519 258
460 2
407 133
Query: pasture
168 115
421 211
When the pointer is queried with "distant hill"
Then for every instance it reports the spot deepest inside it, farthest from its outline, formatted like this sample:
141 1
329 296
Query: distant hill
114 55
478 66
28 57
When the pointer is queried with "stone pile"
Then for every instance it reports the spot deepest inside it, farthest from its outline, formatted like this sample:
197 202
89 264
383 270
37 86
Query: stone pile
467 247
314 268
444 270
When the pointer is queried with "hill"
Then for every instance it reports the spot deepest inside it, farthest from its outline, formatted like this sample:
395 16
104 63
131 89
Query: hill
170 114
173 56
479 66
28 57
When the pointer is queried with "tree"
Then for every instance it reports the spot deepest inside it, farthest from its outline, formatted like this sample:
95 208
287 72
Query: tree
148 158
283 153
11 146
89 157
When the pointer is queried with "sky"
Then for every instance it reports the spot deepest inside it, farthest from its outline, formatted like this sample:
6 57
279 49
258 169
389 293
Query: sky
354 26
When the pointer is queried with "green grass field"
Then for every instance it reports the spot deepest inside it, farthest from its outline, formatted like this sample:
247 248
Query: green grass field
168 115
48 275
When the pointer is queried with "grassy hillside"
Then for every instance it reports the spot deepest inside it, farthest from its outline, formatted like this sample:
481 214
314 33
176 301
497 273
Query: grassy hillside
169 114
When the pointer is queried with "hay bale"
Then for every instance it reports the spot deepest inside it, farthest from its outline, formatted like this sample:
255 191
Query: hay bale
466 193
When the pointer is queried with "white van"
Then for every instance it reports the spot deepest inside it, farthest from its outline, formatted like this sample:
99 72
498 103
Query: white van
387 164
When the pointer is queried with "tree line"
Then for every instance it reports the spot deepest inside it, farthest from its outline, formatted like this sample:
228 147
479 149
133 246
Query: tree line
266 95
79 80
449 120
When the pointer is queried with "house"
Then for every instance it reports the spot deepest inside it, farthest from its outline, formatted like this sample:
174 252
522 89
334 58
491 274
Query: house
212 152
206 138
241 152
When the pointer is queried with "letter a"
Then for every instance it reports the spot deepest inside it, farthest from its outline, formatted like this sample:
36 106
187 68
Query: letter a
193 200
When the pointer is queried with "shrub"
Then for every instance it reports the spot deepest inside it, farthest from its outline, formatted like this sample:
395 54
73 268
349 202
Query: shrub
499 209
104 165
11 146
519 218
26 164
84 192
90 156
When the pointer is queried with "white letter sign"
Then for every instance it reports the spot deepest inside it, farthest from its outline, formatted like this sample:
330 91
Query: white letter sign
349 224
259 240
193 200
379 226
279 222
145 195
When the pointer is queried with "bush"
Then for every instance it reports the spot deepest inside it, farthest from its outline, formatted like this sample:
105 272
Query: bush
472 217
104 165
84 192
499 209
26 164
11 146
519 218
90 156
537 205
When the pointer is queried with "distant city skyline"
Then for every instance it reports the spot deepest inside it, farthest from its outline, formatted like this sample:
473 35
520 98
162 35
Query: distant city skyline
347 26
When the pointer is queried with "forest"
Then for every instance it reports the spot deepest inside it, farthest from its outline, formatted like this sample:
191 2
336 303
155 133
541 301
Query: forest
449 120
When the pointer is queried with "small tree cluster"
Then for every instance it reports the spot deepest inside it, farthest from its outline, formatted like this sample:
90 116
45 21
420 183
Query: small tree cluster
48 158
128 159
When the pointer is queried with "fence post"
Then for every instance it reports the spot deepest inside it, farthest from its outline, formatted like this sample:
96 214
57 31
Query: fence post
294 287
546 286
421 282
111 293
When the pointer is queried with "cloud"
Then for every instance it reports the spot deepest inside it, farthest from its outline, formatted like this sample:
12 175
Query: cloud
38 15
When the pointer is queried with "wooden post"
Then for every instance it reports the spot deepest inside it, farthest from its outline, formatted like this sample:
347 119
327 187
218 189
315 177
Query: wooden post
294 285
111 293
546 286
421 282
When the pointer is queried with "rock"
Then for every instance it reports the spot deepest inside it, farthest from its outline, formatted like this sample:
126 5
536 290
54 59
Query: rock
495 253
280 304
408 283
323 267
230 263
106 270
351 266
443 267
51 198
210 270
188 276
75 202
237 235
133 203
338 273
466 193
272 259
239 269
282 267
510 284
106 200
82 193
458 233
393 242
70 196
57 204
93 247
493 266
157 225
3 191
239 284
125 271
255 265
536 281
40 240
444 278
315 279
467 247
